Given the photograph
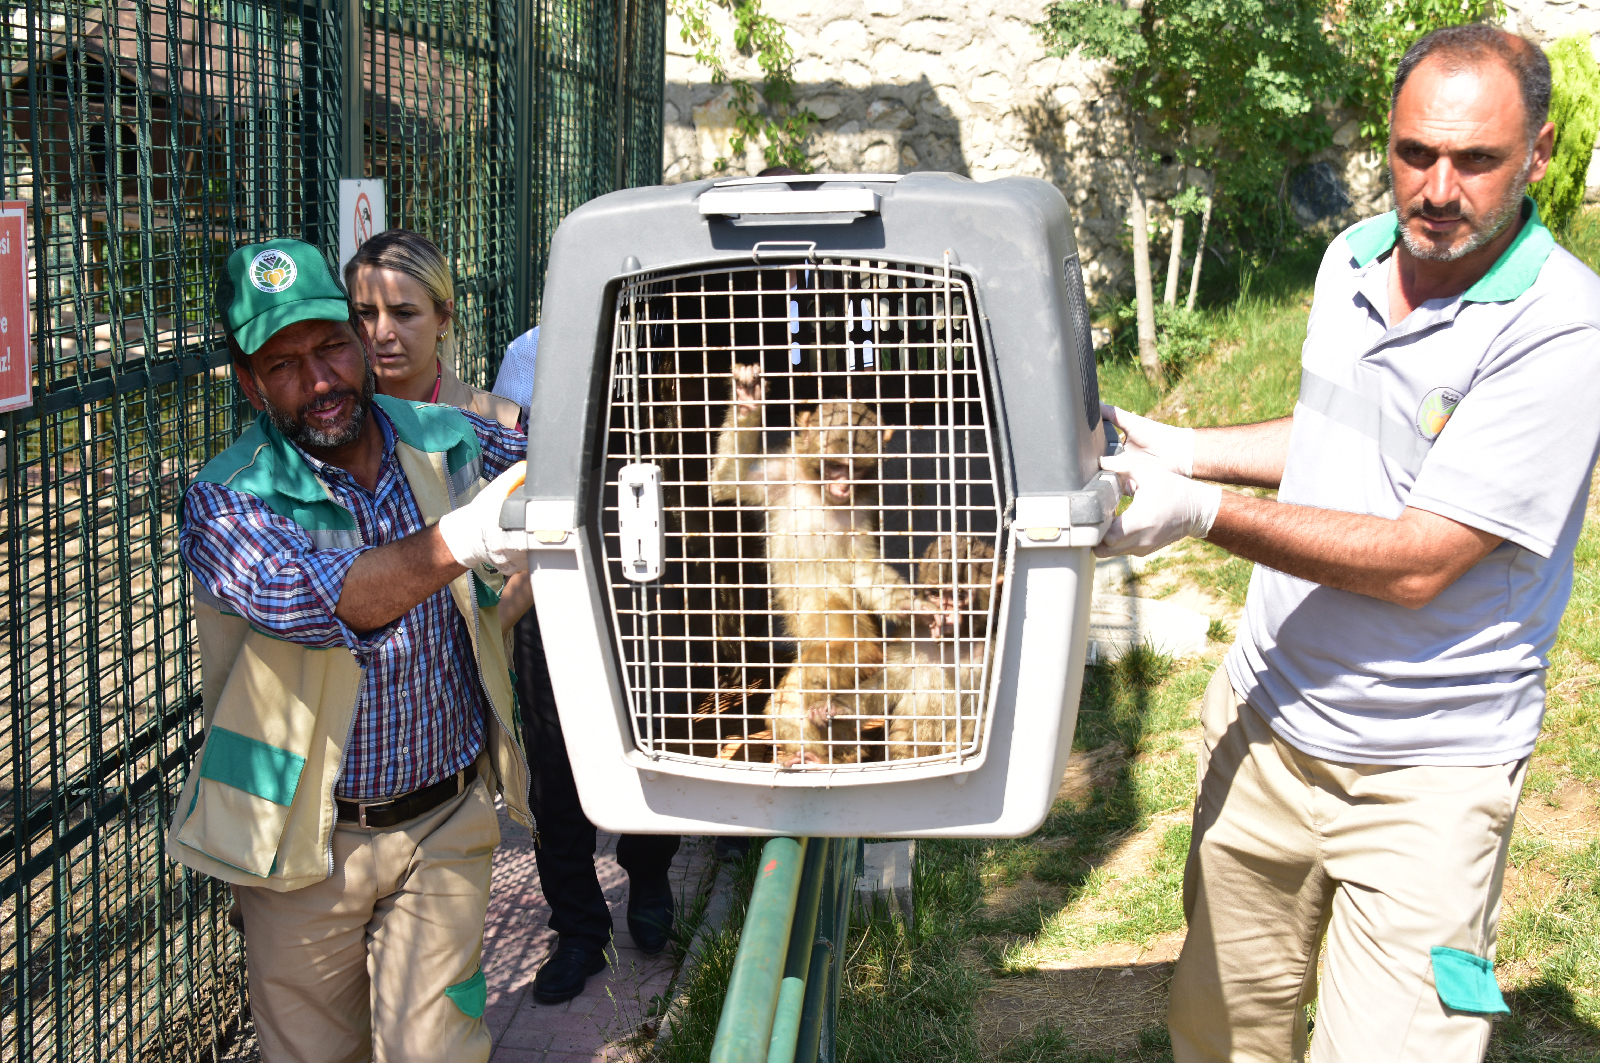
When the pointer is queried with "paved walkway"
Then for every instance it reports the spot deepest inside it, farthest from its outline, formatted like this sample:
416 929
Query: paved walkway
618 1007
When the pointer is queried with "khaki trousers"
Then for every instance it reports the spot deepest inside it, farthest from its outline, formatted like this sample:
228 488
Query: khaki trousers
357 967
1385 862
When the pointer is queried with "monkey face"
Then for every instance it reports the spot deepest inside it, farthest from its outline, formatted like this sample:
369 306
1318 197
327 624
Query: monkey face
846 437
957 588
839 479
841 430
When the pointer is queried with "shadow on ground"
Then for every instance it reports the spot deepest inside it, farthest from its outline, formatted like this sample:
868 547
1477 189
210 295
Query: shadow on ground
1544 1027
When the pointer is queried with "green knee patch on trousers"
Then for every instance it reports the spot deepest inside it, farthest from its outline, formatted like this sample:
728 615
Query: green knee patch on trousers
470 996
1466 982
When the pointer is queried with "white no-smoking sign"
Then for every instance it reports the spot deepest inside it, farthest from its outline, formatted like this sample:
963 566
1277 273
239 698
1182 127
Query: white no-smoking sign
361 214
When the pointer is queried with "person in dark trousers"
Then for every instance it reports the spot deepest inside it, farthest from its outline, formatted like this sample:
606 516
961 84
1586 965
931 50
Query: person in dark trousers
565 851
566 838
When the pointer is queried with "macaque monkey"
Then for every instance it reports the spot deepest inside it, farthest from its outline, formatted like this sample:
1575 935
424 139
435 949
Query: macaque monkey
927 678
825 568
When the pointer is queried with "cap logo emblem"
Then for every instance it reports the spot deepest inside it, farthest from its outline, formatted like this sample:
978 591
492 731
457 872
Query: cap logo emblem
272 270
1434 413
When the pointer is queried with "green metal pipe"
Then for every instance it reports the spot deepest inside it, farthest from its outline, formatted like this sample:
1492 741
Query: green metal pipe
808 1046
792 992
786 1023
820 1011
745 1029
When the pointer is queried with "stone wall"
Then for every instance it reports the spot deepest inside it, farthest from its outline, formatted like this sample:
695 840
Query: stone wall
903 85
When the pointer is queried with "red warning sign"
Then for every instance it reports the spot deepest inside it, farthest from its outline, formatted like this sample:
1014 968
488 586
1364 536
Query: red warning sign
16 348
362 223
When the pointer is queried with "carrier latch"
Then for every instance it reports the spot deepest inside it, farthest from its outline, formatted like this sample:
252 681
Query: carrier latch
643 540
1078 518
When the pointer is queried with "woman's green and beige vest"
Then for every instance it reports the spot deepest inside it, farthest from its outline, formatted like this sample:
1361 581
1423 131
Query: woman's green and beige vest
257 808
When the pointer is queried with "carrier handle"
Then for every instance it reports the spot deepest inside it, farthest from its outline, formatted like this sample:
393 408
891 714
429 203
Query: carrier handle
806 249
824 200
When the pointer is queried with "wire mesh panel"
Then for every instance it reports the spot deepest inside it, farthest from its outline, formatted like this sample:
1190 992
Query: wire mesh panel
827 464
598 67
146 139
437 85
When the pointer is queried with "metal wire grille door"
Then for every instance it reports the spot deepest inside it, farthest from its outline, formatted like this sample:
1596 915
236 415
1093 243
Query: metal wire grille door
827 456
147 138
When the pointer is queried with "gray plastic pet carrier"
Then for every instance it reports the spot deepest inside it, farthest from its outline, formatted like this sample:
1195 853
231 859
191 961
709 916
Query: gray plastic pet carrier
812 486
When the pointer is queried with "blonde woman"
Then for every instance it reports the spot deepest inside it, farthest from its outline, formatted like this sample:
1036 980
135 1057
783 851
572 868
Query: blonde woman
400 286
402 290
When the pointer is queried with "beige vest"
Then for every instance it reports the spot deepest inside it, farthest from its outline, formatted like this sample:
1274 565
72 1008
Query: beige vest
257 808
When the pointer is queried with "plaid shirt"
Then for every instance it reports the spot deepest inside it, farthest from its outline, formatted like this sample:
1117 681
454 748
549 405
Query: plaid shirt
420 715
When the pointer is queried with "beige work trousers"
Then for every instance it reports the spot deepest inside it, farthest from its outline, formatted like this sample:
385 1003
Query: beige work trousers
357 966
1386 862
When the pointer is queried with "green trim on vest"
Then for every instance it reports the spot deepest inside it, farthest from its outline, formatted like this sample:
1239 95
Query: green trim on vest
251 765
267 466
431 428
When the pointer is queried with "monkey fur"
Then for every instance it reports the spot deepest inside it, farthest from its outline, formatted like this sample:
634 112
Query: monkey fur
828 581
928 677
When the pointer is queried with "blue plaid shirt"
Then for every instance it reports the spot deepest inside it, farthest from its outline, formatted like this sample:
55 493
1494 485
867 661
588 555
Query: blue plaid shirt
420 717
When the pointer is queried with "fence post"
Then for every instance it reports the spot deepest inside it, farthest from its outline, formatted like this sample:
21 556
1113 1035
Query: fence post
819 1024
318 170
522 174
350 100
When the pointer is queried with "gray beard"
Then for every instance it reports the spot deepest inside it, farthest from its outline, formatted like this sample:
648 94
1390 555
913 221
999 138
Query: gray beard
1484 228
295 429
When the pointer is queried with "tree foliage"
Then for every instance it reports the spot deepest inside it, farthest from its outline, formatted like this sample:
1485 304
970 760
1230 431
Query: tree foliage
1375 34
773 120
1232 85
1575 110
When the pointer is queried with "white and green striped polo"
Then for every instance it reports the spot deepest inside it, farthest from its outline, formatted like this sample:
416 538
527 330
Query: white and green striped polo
1484 408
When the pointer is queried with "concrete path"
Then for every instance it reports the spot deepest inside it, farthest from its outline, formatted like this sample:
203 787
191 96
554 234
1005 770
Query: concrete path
618 1010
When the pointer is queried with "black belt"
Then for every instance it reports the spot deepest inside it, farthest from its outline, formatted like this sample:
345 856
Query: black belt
377 815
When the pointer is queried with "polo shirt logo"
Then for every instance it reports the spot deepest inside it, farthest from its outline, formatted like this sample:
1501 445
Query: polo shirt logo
1434 413
272 271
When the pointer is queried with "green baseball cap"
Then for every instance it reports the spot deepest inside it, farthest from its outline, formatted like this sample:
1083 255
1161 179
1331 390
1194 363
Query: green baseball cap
268 286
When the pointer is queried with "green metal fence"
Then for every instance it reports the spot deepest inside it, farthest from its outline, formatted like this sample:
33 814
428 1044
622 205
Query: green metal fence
147 138
782 1003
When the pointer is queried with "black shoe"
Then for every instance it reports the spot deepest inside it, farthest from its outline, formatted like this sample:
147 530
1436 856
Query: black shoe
650 915
569 966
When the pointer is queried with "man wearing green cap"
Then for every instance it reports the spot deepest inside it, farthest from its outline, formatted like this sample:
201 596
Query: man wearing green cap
347 562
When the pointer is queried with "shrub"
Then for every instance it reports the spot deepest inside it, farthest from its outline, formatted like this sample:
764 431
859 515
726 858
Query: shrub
1182 337
1575 110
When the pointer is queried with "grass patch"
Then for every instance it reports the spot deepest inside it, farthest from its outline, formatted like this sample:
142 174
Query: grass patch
908 995
1130 716
704 979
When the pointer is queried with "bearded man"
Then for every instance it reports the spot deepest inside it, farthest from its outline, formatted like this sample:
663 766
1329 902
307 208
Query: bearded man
347 562
1365 742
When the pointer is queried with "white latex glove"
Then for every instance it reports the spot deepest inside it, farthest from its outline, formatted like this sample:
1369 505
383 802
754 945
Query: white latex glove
1167 445
473 534
1166 507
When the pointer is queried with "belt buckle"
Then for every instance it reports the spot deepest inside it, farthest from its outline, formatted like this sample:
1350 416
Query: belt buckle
361 811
